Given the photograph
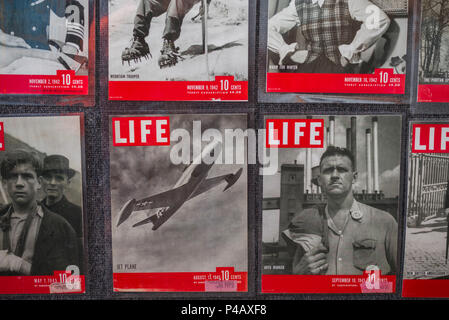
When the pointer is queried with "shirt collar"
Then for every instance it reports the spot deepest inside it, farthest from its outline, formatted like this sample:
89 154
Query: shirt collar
354 213
39 212
320 2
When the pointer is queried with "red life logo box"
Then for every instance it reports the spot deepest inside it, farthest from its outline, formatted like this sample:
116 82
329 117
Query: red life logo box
294 133
141 131
430 138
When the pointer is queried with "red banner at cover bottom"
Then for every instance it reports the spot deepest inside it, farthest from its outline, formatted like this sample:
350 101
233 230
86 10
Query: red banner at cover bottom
64 82
223 280
223 88
383 81
327 284
60 282
425 288
433 93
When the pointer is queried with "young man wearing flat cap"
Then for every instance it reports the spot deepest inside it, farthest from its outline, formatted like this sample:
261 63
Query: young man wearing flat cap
56 177
33 239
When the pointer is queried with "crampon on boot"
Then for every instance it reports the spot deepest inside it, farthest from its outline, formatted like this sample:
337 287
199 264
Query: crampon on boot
169 54
139 49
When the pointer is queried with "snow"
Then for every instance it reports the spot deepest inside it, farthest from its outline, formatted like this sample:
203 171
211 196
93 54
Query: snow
33 66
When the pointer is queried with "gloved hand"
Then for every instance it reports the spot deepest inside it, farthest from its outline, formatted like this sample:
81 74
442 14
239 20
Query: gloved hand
299 56
286 50
349 54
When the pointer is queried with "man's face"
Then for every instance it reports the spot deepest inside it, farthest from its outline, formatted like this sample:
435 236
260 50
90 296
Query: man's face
54 184
22 184
336 176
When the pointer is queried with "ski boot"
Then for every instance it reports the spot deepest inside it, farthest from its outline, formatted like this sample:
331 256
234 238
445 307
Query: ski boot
139 49
169 54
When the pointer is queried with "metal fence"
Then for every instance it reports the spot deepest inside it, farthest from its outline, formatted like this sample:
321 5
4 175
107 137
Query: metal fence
427 185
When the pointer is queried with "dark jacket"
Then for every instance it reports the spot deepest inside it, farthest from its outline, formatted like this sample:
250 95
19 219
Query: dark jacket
69 211
74 216
56 245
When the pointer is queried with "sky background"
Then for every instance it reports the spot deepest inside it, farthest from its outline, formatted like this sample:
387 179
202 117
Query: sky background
389 137
208 231
51 135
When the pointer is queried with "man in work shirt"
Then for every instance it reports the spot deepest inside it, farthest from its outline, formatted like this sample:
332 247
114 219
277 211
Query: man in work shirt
357 237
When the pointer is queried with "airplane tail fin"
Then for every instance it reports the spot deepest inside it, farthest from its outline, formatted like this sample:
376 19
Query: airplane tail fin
152 219
126 211
231 179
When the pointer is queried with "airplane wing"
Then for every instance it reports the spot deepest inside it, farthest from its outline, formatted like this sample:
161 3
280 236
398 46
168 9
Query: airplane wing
212 182
170 201
164 199
160 217
171 198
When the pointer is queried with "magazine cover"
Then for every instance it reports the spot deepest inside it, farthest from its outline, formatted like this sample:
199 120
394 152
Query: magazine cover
44 47
337 46
178 50
433 75
41 201
330 211
426 268
179 203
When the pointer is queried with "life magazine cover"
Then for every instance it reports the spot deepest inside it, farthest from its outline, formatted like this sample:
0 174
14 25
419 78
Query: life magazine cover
337 46
426 268
178 50
330 212
41 215
44 46
433 75
179 208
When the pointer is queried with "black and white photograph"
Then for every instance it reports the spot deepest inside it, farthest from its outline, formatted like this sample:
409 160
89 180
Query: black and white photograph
41 215
175 212
171 40
426 241
333 210
337 36
39 37
434 42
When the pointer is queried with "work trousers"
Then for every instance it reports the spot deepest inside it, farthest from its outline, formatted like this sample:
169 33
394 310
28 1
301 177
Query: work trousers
176 11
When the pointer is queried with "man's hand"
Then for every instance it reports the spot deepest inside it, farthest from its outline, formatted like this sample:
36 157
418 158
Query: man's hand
12 263
12 41
313 262
3 263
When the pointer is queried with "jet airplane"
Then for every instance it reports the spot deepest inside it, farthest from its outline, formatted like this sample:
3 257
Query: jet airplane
192 183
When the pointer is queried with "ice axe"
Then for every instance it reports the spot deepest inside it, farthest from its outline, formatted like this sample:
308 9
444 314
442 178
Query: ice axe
205 40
